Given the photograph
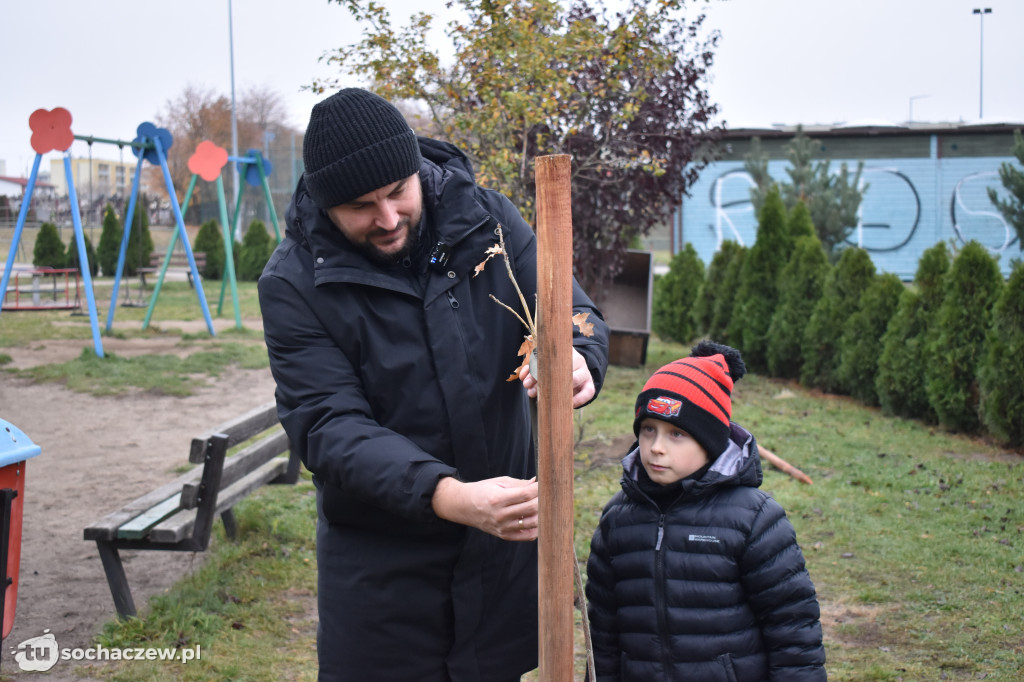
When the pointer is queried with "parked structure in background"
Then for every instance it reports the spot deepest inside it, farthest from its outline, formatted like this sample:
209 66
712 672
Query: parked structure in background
926 183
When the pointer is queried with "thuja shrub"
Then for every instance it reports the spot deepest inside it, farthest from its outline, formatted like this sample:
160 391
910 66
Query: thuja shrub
901 364
110 242
140 241
675 294
758 295
255 252
800 286
1001 376
726 327
840 299
711 289
210 241
800 224
859 345
71 256
971 289
48 251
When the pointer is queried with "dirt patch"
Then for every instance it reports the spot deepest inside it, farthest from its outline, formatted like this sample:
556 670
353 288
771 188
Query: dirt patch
97 454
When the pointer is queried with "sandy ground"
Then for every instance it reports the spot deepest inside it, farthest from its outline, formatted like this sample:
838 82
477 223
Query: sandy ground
97 454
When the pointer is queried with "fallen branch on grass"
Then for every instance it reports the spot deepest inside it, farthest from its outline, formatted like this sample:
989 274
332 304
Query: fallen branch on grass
783 466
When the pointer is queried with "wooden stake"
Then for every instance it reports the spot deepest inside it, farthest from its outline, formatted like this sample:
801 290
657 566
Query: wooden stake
783 466
554 417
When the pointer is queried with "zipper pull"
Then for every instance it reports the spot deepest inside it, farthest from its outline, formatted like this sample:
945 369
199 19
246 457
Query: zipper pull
661 533
452 301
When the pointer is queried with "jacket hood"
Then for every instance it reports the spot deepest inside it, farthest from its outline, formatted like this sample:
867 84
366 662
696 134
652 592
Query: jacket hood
739 465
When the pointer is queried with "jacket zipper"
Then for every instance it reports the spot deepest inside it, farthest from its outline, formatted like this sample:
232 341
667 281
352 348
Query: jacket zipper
661 597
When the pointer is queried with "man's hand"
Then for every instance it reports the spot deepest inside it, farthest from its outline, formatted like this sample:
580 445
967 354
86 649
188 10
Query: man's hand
583 389
504 507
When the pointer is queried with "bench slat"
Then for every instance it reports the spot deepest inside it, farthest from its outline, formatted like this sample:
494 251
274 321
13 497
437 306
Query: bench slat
179 526
106 528
237 430
239 464
139 526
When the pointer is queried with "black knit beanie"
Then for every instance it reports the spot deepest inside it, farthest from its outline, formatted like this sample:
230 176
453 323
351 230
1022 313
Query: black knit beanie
695 394
356 142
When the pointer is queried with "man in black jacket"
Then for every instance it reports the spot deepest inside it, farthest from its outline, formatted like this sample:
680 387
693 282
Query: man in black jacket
391 362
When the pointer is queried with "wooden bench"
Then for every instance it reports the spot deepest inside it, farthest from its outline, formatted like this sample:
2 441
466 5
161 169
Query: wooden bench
178 260
179 516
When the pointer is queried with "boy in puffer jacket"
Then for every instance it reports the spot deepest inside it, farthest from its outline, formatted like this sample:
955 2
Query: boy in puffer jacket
694 573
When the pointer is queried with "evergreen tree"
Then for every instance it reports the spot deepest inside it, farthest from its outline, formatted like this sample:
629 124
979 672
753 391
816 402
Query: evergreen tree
901 364
859 345
48 251
210 240
1002 368
971 290
833 199
839 300
255 252
800 224
711 288
1013 180
140 241
675 294
726 327
110 242
758 291
800 286
71 256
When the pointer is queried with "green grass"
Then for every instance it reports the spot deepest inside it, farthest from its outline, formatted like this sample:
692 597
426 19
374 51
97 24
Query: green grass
197 356
914 537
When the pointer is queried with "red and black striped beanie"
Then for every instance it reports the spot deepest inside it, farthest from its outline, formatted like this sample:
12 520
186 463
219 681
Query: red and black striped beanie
695 394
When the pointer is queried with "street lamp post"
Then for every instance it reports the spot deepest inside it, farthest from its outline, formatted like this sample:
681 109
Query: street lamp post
981 55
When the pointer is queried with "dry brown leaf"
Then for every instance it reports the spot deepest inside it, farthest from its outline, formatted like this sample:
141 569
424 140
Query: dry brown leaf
493 251
580 320
525 350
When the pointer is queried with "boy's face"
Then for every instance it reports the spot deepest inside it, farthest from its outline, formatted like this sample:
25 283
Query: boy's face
668 453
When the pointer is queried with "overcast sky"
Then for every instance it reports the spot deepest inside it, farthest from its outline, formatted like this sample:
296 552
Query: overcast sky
115 63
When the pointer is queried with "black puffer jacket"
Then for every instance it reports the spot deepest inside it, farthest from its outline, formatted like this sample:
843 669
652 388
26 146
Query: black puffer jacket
391 377
713 588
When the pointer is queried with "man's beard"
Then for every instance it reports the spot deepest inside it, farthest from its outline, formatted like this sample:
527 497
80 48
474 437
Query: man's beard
412 235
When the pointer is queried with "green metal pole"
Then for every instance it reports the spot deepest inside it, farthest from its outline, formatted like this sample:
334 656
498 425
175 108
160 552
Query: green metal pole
270 199
229 250
167 257
229 240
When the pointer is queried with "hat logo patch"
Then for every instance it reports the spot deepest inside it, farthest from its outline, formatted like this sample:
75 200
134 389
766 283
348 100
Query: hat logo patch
666 407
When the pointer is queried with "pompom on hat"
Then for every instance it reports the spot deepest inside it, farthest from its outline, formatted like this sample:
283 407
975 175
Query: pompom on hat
695 394
356 142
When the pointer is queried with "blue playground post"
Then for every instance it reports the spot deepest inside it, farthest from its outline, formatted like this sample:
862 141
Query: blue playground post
184 235
17 230
83 259
128 219
167 257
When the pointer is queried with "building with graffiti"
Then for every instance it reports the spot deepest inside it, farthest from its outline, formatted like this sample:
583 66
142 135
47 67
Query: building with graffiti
925 183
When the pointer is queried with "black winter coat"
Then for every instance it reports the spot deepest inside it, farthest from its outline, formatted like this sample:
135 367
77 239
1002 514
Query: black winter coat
392 377
713 588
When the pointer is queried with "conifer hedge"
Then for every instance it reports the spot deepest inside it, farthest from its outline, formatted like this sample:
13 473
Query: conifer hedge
48 251
839 301
757 295
110 242
711 288
1002 368
210 240
800 286
859 346
675 295
900 379
971 290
